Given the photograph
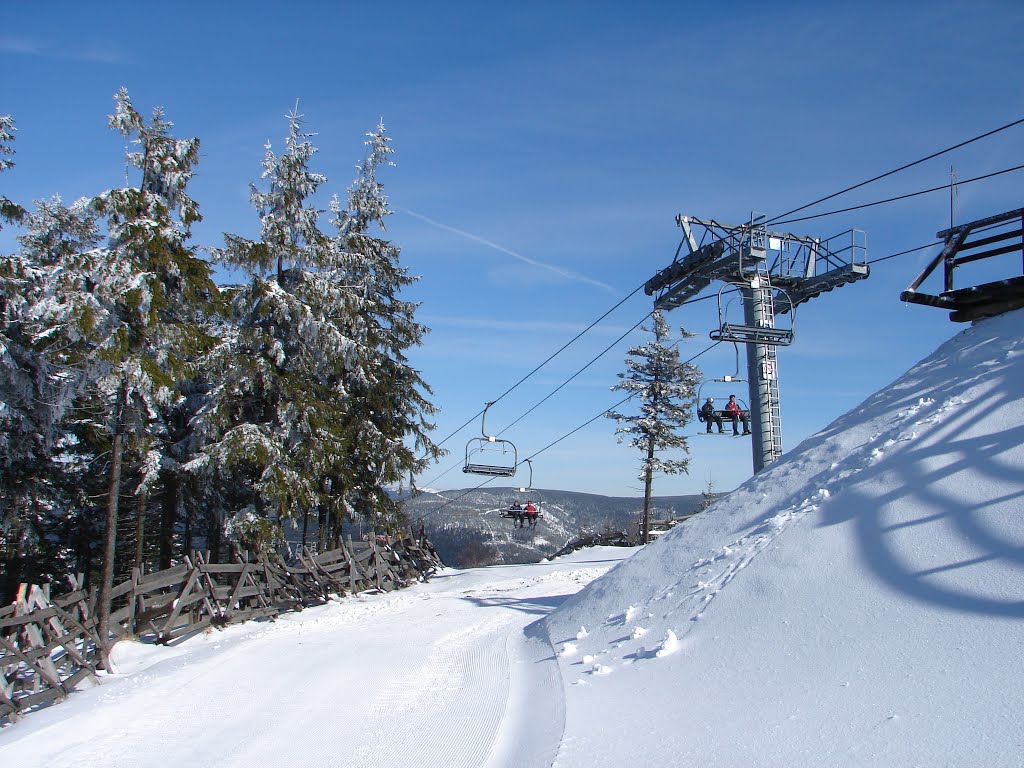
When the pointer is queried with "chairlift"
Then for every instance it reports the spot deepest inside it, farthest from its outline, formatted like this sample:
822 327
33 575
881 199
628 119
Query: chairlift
744 333
716 383
520 515
488 455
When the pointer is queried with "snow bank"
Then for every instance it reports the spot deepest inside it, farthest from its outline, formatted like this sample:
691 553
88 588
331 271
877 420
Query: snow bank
859 603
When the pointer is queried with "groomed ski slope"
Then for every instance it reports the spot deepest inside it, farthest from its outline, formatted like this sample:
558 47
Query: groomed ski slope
440 674
860 603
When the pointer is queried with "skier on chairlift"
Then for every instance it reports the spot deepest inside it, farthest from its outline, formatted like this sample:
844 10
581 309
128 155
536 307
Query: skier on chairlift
531 514
734 413
709 414
516 510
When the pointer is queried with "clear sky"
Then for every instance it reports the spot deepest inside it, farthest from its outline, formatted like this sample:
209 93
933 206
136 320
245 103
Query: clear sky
543 151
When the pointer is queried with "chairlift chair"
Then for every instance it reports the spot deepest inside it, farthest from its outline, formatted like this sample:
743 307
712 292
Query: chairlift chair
490 456
721 411
752 334
517 515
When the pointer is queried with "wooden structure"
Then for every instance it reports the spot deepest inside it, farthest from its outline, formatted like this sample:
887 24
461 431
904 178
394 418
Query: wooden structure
47 647
1000 235
48 644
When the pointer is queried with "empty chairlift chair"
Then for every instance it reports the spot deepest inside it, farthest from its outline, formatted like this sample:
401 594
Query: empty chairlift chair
489 455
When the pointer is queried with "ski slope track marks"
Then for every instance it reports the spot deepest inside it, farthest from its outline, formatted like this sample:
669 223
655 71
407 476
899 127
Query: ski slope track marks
442 674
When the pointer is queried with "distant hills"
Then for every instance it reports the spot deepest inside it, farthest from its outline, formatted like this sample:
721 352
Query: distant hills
467 531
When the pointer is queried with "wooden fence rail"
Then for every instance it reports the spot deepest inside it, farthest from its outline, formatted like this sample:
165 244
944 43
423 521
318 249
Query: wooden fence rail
48 644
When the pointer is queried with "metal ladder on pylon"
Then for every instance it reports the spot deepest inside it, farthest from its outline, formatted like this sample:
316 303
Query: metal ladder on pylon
769 379
770 383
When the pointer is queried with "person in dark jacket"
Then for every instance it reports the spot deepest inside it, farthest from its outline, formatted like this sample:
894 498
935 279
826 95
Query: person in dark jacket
709 414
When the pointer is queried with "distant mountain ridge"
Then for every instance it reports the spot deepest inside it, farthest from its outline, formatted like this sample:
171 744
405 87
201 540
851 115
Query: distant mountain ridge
466 528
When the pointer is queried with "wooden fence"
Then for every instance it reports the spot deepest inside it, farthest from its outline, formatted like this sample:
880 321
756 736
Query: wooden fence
48 644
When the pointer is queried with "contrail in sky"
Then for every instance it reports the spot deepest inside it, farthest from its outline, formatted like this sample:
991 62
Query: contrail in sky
533 262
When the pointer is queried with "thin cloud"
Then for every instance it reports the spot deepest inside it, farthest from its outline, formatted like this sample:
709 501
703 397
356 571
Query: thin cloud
11 45
567 274
25 47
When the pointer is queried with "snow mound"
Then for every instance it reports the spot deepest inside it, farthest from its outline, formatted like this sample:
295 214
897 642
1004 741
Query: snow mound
859 603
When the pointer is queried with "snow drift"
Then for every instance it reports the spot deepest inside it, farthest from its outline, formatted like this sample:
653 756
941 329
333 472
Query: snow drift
860 603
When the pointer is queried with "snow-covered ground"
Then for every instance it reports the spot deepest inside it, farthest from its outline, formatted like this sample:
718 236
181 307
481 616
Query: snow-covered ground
440 674
860 603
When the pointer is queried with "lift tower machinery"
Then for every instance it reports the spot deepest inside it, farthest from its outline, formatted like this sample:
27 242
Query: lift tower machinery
767 274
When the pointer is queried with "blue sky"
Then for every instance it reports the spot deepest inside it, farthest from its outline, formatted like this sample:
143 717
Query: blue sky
543 150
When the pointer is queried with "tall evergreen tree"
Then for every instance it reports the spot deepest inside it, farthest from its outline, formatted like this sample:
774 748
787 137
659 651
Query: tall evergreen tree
41 374
389 410
161 296
665 388
276 426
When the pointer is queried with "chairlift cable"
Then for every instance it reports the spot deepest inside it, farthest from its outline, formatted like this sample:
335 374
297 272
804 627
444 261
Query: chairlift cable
556 442
568 344
559 387
601 354
942 188
606 410
903 253
581 370
898 170
469 421
778 220
545 362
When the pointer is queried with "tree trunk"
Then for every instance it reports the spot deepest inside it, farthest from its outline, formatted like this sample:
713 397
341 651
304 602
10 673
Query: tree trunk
168 519
323 517
13 558
186 543
645 535
213 535
140 529
110 541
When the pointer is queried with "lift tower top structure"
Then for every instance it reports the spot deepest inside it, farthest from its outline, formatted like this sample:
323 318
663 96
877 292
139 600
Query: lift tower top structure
772 273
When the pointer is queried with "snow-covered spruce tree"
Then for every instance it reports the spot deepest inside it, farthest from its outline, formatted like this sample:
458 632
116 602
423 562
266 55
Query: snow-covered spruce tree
665 389
708 495
9 211
42 372
157 299
276 431
389 410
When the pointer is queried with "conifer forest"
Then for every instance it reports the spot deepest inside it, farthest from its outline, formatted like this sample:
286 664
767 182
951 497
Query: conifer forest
147 410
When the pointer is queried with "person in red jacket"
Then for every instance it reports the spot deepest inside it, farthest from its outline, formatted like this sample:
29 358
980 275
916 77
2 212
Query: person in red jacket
531 514
736 415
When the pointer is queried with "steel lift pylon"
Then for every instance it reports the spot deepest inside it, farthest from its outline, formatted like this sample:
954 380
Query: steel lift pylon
772 273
